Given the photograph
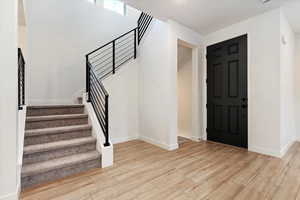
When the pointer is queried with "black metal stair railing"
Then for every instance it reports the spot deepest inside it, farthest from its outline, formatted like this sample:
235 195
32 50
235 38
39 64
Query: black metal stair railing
21 79
143 24
109 57
105 61
98 97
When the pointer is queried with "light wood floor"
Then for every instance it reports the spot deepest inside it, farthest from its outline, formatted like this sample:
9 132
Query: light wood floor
195 171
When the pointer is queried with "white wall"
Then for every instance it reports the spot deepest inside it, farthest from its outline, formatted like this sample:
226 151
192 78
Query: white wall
60 33
123 103
297 90
263 78
154 85
287 84
22 40
8 99
158 82
184 90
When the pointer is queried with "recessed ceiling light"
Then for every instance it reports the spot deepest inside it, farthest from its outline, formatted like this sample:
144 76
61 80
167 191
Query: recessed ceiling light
265 1
180 2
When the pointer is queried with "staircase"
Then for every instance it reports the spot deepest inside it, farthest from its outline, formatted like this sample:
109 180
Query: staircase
58 143
58 139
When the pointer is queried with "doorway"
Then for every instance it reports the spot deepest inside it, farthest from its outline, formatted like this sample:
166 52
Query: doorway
184 92
227 97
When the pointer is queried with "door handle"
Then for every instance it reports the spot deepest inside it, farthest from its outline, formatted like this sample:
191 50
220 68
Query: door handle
244 105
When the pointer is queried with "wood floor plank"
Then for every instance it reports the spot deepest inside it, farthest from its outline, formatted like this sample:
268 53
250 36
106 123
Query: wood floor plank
197 170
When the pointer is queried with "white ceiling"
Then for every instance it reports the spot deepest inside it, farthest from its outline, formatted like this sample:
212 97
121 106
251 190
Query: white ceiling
206 16
21 14
292 12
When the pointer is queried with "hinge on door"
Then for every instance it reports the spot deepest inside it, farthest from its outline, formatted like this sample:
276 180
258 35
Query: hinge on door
206 106
206 81
206 130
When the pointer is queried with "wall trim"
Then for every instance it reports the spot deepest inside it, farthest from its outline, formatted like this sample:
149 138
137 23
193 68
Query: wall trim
286 148
170 147
265 151
123 139
193 138
260 150
11 196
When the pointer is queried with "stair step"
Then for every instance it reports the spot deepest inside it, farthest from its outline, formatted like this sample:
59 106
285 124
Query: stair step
57 145
54 110
42 152
42 167
38 173
51 121
46 135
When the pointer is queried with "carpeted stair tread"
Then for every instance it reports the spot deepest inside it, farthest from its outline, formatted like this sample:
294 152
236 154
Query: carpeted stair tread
56 130
30 149
55 117
46 110
42 167
55 106
58 142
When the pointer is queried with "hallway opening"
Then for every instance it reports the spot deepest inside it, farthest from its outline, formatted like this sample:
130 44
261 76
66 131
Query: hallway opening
184 91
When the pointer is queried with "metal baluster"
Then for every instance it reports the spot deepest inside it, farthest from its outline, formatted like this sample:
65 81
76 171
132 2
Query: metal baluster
114 56
88 81
106 122
134 43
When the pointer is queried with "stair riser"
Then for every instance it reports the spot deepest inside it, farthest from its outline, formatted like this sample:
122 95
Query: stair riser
41 139
58 173
55 123
58 153
54 111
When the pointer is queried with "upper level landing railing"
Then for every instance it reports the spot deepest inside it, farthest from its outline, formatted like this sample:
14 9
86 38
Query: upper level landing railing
105 61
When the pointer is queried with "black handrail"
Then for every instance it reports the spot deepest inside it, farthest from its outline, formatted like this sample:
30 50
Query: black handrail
21 79
104 61
110 42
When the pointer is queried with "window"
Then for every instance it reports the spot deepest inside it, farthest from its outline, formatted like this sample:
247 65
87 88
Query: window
115 5
92 1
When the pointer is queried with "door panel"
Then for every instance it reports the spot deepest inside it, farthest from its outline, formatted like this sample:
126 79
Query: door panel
227 92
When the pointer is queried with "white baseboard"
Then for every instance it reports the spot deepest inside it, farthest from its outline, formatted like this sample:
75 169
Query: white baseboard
285 149
12 196
160 144
196 139
193 138
269 152
123 139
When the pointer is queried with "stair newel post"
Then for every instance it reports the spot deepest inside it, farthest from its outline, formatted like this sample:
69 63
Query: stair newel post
114 56
106 122
135 43
88 73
